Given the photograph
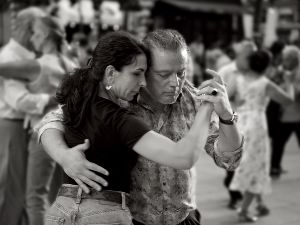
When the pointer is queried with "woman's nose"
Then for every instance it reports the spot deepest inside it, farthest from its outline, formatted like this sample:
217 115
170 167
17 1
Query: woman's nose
143 81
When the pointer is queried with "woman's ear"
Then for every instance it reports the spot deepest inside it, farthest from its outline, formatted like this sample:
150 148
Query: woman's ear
109 76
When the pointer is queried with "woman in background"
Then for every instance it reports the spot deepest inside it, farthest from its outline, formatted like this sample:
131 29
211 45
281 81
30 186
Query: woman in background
252 176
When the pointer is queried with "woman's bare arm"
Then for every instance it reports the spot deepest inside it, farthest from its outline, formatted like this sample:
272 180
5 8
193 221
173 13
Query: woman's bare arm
280 96
184 153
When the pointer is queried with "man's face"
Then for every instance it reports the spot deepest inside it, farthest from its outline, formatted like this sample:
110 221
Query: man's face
166 75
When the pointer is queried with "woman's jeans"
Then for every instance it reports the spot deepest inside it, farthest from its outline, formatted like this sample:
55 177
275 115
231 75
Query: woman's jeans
75 207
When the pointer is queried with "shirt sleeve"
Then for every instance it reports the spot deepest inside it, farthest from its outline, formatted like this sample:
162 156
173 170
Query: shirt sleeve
50 75
130 129
18 97
52 120
226 160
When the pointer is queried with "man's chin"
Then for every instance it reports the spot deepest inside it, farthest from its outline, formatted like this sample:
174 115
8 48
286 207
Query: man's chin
170 100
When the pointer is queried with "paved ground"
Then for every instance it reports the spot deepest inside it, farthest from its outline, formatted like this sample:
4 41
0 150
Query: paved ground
284 201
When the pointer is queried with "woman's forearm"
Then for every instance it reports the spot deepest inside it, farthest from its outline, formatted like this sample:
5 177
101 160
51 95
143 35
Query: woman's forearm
182 154
191 145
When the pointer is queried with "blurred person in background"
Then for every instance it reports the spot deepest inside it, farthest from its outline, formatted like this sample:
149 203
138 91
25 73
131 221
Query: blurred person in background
252 176
193 72
197 50
230 73
275 72
81 48
289 119
15 101
42 75
168 104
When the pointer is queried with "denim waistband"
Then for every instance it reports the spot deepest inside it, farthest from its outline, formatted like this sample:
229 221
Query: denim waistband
74 191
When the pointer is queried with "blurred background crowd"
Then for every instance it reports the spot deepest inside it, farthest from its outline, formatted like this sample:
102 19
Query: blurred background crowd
218 33
212 28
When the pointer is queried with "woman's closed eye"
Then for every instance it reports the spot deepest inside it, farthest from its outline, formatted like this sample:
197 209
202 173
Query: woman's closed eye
138 73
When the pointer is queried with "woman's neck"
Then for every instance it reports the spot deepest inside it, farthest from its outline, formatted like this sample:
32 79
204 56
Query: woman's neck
252 75
107 94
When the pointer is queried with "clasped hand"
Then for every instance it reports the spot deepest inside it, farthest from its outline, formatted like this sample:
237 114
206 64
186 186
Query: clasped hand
219 98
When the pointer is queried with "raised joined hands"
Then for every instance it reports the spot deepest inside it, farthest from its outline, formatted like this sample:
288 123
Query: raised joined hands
220 99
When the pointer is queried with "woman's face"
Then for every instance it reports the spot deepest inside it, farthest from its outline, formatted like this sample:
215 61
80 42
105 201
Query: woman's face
130 79
38 38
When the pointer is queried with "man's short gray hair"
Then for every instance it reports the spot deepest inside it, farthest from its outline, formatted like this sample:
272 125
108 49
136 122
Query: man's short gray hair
165 39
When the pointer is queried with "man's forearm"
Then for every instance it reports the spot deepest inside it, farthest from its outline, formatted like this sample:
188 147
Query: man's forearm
54 144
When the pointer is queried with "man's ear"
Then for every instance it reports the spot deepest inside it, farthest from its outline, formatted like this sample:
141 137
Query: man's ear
109 76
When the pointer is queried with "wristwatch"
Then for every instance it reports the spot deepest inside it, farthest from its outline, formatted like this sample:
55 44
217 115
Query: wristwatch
233 119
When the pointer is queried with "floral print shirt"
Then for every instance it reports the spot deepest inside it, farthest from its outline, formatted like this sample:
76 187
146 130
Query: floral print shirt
163 195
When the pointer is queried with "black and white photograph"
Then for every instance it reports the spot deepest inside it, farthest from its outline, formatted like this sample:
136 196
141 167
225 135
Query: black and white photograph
149 112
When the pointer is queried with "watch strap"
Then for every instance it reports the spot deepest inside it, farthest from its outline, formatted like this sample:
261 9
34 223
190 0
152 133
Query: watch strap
230 121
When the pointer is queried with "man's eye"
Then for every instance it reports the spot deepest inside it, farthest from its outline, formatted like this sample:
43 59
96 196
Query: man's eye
181 74
162 75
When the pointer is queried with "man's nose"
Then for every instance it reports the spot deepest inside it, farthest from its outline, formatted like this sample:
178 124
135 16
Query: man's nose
174 80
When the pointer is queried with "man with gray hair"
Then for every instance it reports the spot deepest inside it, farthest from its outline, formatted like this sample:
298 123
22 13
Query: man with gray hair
15 101
168 104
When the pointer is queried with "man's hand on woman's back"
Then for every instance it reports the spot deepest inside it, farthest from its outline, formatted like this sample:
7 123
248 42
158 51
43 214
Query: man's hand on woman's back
81 170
